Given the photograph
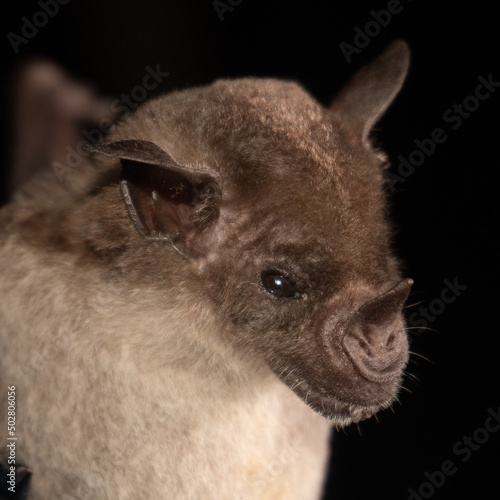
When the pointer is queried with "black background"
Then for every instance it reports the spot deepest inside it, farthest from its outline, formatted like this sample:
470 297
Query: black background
446 209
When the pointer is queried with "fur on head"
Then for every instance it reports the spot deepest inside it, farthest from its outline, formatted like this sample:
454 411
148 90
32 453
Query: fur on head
253 198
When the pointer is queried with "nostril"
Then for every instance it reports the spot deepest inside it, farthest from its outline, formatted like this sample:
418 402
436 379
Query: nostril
376 341
390 341
364 344
376 355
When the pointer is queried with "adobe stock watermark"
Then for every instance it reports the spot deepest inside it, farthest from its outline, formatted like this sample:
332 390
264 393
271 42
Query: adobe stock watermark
31 27
223 6
257 485
87 486
419 320
63 342
462 450
121 106
363 37
454 117
11 438
60 343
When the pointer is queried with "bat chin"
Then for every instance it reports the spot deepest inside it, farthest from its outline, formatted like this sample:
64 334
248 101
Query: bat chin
352 414
341 412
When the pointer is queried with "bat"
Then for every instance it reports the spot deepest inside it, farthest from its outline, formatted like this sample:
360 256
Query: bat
211 292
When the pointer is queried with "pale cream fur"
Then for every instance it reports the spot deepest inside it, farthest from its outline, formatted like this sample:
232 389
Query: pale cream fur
103 413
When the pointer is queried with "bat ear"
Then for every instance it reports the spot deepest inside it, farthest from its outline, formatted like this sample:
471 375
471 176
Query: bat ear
166 201
367 95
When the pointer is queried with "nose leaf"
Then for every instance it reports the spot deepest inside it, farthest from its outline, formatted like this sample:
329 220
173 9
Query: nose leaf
375 339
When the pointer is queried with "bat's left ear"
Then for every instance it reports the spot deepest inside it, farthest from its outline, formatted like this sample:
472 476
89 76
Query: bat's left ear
166 201
367 95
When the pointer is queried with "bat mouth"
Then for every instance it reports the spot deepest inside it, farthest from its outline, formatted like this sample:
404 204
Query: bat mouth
342 412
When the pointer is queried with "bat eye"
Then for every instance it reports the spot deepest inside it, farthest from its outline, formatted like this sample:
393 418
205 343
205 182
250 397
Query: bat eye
279 285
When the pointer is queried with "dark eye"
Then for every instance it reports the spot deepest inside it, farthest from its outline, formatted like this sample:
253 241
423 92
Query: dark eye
279 285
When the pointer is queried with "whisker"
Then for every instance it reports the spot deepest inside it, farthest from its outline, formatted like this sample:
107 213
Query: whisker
411 376
407 306
422 328
420 356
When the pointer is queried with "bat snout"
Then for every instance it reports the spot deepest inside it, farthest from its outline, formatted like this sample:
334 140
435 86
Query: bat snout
378 354
376 340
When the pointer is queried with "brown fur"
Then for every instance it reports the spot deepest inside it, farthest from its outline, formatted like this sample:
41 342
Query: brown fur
153 367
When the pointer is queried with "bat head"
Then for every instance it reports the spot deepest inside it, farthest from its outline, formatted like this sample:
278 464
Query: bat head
277 206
